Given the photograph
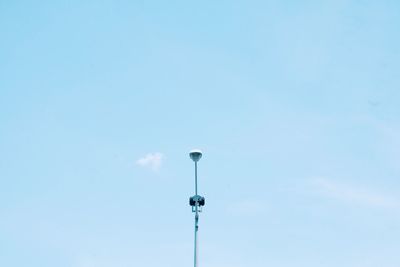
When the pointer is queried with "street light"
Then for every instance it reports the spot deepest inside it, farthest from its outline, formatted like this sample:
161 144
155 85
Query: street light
196 201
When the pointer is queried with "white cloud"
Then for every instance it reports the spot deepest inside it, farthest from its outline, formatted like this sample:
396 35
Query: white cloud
353 194
152 161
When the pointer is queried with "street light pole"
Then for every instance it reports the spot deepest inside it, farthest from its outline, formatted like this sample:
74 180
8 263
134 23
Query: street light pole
196 202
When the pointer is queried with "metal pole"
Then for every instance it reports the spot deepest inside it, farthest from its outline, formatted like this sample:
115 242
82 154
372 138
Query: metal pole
196 228
195 177
196 219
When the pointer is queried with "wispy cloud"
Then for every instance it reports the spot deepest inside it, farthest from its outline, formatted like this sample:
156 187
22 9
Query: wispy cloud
354 194
152 161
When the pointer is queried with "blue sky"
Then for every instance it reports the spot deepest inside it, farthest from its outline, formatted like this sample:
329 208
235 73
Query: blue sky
295 105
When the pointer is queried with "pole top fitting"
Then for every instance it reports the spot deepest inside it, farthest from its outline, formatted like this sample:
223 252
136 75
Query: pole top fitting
195 155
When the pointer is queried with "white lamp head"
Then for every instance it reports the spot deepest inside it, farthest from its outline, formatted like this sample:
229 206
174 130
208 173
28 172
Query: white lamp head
195 155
